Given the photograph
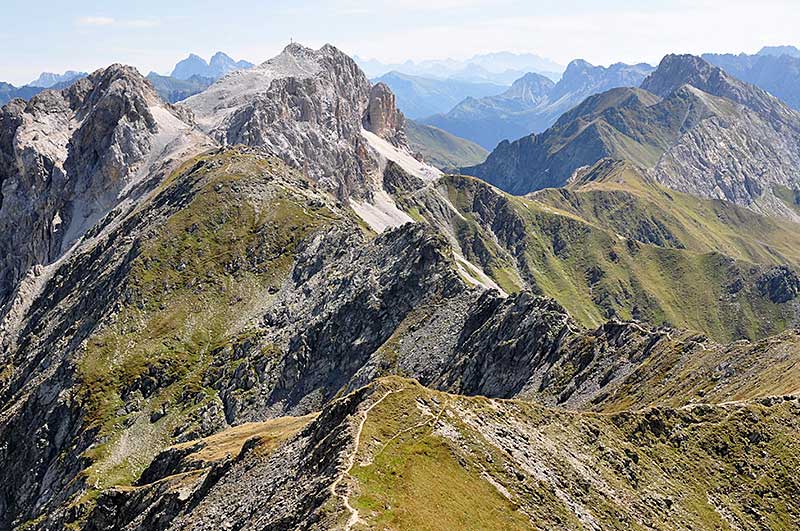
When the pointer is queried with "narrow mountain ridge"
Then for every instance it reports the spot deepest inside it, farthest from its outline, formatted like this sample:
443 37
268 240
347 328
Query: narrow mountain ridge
222 313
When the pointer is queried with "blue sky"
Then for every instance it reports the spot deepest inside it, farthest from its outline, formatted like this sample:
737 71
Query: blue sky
54 35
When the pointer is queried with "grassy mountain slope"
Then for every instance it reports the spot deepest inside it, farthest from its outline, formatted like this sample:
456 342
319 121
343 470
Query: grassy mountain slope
396 455
442 149
617 245
624 123
460 462
191 289
616 195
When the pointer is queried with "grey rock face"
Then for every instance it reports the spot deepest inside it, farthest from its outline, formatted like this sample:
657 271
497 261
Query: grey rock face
382 116
67 158
307 107
780 284
346 299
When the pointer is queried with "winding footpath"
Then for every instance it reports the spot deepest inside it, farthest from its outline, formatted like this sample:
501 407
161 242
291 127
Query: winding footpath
351 461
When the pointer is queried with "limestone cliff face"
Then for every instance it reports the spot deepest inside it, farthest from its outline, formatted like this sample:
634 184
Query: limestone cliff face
382 116
307 107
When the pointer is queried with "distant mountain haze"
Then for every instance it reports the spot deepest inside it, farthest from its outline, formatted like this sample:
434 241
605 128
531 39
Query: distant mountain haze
173 90
777 73
49 79
500 67
219 65
534 102
777 51
420 97
45 81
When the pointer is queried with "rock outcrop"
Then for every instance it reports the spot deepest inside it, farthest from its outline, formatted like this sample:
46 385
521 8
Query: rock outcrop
382 116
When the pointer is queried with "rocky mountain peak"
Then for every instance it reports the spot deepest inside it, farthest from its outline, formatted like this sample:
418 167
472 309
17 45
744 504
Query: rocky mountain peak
69 157
307 107
585 78
577 65
192 65
122 83
675 71
530 88
221 57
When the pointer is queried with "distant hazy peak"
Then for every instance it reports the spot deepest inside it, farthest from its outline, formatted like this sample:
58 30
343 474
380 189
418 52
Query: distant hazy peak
49 79
219 65
577 65
530 87
580 66
777 51
220 56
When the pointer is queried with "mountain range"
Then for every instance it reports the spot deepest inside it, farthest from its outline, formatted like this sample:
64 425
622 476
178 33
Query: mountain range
776 70
49 79
219 65
173 90
261 308
46 80
673 127
420 97
499 68
533 102
190 76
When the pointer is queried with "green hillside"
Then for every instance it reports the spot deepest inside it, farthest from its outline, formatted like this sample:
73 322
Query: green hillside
616 245
442 149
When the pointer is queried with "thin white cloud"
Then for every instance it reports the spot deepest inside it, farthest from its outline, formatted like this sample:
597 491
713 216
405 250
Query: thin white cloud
96 21
636 32
125 23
